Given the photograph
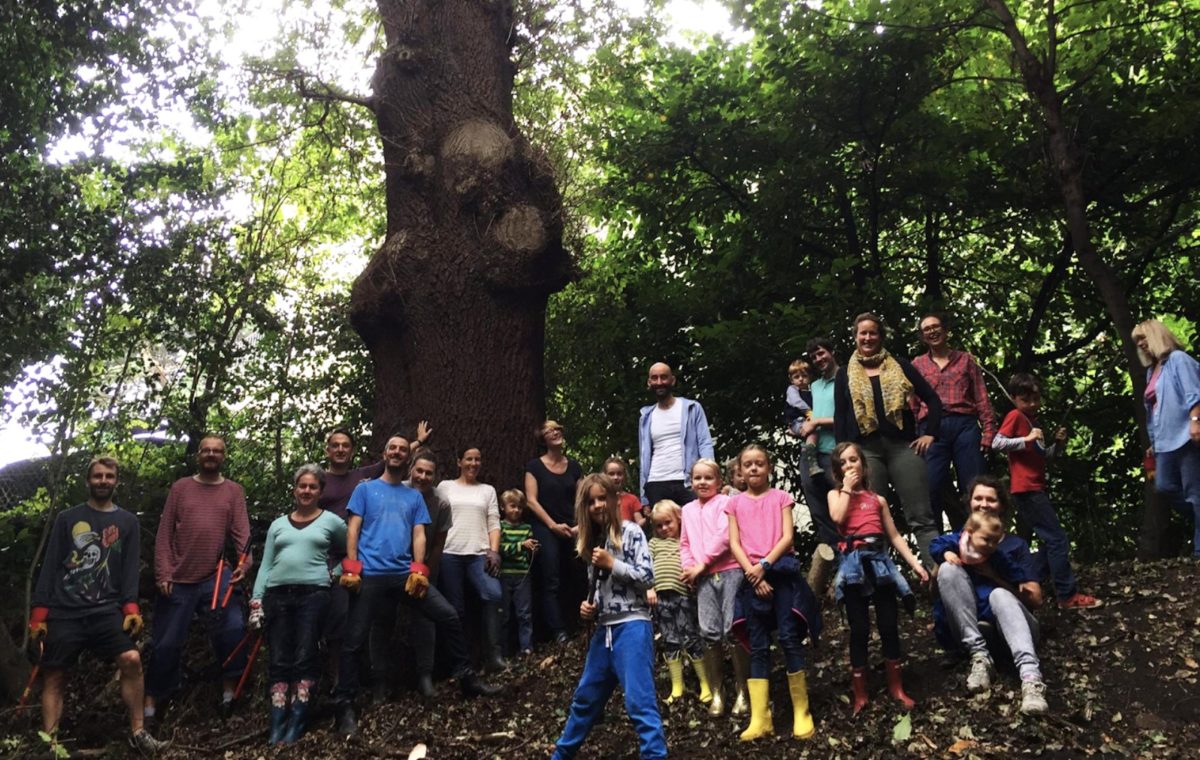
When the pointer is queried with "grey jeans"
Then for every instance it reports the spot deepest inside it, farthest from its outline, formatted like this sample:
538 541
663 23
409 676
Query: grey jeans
893 461
1017 624
715 595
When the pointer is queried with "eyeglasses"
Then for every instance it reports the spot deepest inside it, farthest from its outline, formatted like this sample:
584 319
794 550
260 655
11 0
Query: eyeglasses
930 329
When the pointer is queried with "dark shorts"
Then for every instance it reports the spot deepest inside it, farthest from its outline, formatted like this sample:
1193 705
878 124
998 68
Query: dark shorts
100 633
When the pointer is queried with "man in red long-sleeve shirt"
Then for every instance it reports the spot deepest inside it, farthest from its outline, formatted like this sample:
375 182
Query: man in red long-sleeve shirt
201 513
968 423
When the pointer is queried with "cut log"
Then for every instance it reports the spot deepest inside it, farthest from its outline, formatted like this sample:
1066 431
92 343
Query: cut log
824 561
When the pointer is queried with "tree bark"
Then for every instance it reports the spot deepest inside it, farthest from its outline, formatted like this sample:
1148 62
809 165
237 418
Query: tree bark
1067 166
452 306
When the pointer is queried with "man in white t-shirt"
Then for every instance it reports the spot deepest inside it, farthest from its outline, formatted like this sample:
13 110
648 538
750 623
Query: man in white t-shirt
672 435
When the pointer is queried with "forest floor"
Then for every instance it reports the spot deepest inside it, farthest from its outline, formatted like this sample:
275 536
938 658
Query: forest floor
1122 682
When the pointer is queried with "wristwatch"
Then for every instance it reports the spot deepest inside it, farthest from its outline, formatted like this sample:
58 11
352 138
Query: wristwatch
766 564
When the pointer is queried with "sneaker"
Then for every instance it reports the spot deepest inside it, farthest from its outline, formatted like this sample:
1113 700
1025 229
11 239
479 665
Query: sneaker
1078 601
1033 698
980 677
146 744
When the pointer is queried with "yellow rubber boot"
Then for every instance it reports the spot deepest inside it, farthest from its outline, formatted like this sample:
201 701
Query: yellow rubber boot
760 710
714 665
675 668
741 671
705 694
802 722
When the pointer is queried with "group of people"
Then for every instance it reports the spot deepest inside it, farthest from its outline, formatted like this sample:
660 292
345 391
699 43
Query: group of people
711 565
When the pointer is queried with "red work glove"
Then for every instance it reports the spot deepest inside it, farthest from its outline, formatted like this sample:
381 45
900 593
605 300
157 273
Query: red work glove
418 580
351 574
37 622
133 619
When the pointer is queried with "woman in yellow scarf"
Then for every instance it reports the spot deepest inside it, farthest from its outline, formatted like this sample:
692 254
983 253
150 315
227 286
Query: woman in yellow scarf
872 408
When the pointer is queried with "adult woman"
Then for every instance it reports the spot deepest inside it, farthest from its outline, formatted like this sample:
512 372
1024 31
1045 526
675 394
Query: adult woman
871 408
472 551
550 482
1172 417
965 600
292 594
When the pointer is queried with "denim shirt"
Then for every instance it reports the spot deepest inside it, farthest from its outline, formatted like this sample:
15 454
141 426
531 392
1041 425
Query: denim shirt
697 442
1178 390
851 572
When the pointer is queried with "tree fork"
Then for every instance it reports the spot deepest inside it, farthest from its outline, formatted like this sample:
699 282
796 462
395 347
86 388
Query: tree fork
452 306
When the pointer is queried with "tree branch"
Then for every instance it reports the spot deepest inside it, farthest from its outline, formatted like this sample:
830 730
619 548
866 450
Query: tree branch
311 88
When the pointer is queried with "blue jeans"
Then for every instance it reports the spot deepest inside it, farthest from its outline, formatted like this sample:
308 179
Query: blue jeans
172 616
629 661
517 606
762 615
1177 474
456 571
1036 510
816 496
957 442
294 616
384 592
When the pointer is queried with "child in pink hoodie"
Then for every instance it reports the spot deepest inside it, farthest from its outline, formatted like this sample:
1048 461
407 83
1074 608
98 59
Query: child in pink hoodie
709 566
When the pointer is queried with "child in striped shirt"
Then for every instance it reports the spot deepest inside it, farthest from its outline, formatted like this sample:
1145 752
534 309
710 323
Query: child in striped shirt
674 606
517 546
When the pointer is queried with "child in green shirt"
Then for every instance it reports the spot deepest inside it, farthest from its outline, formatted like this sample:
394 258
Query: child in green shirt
517 546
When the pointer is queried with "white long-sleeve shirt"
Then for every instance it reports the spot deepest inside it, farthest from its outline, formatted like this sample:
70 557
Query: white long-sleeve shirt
475 513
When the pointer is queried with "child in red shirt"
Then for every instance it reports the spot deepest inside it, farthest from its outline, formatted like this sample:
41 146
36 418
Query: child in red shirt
1025 443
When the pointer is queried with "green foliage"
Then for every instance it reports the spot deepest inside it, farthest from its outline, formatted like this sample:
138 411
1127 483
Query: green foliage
747 197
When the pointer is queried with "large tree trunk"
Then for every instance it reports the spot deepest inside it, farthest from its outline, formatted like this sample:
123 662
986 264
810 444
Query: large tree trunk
1065 156
452 306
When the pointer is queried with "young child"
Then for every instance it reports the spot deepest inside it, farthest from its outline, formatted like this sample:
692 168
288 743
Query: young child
867 573
733 478
1024 441
773 594
975 548
709 567
622 648
799 409
631 505
517 547
672 602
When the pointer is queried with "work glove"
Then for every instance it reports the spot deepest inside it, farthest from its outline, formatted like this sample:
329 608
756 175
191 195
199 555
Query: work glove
133 619
37 622
491 563
351 575
418 581
257 616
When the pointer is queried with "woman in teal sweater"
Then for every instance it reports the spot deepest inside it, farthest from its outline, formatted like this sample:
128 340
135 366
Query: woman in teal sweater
291 594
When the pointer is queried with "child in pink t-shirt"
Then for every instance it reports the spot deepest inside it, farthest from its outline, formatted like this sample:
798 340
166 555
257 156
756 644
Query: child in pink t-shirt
773 595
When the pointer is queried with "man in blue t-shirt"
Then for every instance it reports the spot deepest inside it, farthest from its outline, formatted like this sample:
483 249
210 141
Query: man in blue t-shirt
385 564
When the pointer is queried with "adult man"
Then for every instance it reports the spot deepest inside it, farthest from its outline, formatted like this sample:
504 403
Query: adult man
87 598
672 435
340 482
202 512
956 378
385 562
421 477
817 487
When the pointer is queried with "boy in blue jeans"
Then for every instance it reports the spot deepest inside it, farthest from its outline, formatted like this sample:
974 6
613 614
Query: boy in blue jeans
1027 451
